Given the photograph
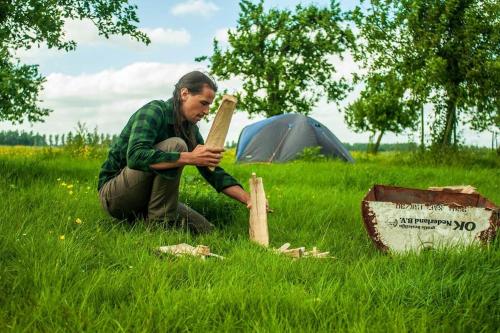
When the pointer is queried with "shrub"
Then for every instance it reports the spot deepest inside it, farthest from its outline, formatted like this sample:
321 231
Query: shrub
311 154
85 144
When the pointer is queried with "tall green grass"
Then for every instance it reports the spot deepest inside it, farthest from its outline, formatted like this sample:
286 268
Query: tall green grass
105 276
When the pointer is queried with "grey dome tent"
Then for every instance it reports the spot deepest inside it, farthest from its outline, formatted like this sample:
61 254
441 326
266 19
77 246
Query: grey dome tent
281 138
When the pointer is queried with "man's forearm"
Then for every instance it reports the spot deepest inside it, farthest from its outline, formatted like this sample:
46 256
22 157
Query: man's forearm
183 160
200 156
237 193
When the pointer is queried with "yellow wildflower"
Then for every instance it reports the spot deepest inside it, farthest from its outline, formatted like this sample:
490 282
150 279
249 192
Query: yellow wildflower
61 237
70 186
78 221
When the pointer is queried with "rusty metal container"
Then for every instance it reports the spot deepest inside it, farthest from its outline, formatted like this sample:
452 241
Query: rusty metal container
403 219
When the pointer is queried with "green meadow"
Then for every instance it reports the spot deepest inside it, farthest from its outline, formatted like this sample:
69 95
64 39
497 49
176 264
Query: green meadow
65 266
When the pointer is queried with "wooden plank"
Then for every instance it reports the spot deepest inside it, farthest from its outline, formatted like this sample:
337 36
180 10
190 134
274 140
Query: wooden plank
218 132
258 215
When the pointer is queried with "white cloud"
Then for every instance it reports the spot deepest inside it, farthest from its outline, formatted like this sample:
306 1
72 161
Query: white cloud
167 36
196 7
84 33
138 80
105 99
222 35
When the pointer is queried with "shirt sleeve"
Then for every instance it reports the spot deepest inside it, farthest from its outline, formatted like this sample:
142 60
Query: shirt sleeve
218 179
141 152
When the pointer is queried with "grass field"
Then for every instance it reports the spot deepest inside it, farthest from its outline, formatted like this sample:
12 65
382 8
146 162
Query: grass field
65 266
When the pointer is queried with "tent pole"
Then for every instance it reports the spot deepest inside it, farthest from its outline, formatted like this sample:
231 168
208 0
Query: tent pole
279 145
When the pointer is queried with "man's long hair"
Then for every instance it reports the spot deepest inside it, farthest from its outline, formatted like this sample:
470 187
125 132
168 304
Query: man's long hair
194 82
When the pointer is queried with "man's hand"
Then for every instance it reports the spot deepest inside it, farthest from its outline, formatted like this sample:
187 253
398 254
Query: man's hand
203 156
269 210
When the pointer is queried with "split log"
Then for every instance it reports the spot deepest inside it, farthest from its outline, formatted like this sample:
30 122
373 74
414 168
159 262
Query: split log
258 215
218 132
186 249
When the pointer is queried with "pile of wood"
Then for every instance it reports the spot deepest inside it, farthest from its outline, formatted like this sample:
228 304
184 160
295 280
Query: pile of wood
258 224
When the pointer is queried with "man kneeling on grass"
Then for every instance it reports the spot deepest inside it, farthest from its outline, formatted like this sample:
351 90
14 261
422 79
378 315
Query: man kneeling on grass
141 175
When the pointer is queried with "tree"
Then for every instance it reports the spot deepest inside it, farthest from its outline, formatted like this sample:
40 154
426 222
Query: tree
446 53
24 24
69 138
283 57
382 107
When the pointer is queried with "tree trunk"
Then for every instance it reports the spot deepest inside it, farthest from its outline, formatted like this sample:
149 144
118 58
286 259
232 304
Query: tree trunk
422 144
450 121
377 144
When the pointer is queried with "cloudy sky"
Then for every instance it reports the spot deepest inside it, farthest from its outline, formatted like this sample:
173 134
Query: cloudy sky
105 80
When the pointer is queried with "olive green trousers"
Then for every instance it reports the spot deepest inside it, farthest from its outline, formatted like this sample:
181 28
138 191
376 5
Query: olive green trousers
136 194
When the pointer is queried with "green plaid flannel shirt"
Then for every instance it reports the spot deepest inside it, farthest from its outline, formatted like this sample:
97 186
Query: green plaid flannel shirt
153 123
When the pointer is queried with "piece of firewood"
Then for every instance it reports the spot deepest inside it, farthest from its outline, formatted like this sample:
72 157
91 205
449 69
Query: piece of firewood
178 249
201 251
284 247
258 215
311 253
218 132
295 253
301 252
467 189
322 255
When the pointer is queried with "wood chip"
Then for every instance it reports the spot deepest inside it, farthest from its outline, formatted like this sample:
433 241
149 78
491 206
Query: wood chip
284 247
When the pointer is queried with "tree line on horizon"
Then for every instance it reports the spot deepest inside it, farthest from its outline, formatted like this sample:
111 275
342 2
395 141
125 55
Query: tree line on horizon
410 53
22 138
